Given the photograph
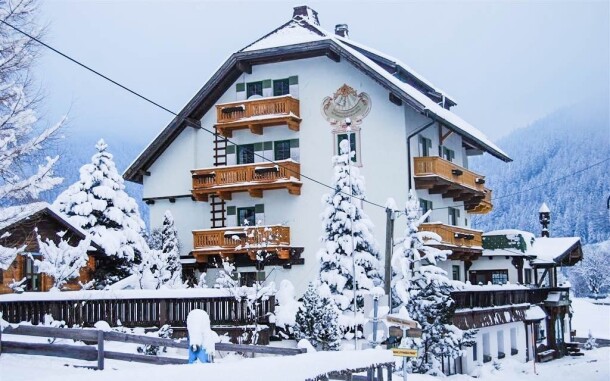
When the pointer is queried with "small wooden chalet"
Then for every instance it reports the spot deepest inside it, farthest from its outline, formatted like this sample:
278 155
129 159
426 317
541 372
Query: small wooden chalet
20 230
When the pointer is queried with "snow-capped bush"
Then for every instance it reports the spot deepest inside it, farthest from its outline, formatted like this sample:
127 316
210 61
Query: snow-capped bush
61 261
317 321
590 343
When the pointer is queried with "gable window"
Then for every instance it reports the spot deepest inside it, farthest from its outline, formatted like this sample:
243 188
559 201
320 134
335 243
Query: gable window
425 145
448 154
425 207
456 272
246 216
254 88
282 150
281 87
245 154
454 215
353 140
30 273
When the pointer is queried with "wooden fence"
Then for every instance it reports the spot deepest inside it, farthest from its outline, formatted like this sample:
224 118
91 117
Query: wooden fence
142 312
99 354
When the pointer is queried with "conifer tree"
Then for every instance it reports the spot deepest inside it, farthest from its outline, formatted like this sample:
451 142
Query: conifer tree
99 204
171 250
317 321
340 251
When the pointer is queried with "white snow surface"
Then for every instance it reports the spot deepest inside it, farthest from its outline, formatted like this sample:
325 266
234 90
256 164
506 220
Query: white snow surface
593 317
535 313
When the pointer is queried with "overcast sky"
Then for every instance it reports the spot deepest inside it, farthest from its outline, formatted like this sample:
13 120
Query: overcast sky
506 63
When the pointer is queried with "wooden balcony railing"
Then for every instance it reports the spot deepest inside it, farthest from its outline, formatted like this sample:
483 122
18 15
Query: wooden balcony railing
440 176
241 240
465 243
252 178
258 113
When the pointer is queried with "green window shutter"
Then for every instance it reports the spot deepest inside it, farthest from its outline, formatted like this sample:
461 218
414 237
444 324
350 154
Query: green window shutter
266 84
231 210
230 149
240 87
294 80
258 146
457 212
267 146
294 143
259 208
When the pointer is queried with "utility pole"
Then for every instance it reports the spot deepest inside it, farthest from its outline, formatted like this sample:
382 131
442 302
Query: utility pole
389 248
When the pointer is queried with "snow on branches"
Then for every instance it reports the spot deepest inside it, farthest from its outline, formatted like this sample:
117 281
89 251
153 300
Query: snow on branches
348 241
317 321
61 261
161 265
99 205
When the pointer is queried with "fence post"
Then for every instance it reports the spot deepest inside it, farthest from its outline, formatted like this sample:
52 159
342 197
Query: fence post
100 350
0 341
162 312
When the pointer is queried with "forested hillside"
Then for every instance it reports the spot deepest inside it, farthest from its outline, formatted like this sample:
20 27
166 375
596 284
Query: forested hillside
555 161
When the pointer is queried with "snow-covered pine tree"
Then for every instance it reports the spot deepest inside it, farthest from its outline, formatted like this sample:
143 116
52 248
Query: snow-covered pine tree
99 204
425 290
22 176
171 250
340 252
317 321
62 261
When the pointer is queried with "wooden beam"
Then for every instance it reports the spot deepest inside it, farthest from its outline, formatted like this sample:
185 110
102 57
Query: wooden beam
256 129
224 195
439 189
445 136
256 193
244 67
333 56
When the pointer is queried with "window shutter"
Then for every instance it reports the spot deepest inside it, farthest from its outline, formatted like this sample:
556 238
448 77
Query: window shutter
239 87
231 210
258 146
267 146
230 149
259 208
294 143
266 84
294 80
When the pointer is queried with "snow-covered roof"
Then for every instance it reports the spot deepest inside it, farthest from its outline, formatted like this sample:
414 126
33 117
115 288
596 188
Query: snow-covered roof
302 37
535 313
544 208
553 249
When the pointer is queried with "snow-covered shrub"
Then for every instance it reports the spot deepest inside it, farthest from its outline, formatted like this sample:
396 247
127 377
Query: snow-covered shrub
18 286
348 241
200 332
61 261
287 308
590 343
99 205
317 321
165 332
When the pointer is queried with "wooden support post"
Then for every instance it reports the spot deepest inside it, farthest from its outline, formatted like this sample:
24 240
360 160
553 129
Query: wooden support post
100 350
370 374
380 373
162 312
389 372
348 376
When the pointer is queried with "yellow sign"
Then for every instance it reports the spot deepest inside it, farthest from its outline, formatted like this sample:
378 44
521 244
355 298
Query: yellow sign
404 352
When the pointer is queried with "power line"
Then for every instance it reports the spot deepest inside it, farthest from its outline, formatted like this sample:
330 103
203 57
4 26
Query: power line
198 125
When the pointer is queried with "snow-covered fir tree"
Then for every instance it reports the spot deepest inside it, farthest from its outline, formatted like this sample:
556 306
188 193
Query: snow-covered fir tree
425 290
344 219
317 321
99 204
62 261
22 138
592 275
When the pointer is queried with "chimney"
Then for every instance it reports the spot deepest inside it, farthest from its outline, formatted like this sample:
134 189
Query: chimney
342 30
545 219
304 12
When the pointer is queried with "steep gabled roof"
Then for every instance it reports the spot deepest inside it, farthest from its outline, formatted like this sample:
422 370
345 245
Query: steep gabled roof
300 38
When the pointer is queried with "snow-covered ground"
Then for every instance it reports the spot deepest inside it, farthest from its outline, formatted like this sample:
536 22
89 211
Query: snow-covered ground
593 366
589 316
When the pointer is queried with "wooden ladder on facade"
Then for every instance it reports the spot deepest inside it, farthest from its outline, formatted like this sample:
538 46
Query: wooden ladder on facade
218 207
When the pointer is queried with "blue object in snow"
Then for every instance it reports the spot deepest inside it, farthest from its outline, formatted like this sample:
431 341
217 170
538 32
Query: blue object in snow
198 353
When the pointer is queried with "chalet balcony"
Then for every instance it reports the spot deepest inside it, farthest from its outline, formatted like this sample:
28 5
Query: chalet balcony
440 176
253 178
256 114
244 240
465 244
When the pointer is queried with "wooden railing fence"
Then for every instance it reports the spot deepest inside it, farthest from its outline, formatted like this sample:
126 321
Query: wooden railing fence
99 354
495 298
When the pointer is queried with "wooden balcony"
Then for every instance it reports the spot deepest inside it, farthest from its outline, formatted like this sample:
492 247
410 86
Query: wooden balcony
483 206
228 242
465 244
255 114
253 178
440 176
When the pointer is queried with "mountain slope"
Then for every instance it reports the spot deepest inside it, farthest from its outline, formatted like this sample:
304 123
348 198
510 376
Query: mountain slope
555 161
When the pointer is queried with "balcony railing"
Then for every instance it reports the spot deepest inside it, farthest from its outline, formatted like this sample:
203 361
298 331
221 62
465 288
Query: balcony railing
258 113
440 176
252 178
497 298
455 235
242 240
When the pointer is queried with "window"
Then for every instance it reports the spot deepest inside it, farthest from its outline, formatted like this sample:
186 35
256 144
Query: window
499 277
425 145
454 215
352 142
528 276
456 272
248 278
246 216
425 207
30 272
282 150
448 154
281 87
245 154
254 88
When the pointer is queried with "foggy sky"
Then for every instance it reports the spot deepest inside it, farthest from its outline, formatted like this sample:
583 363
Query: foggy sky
505 63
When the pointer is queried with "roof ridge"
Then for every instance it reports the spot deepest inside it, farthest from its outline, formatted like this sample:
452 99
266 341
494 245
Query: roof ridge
297 20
